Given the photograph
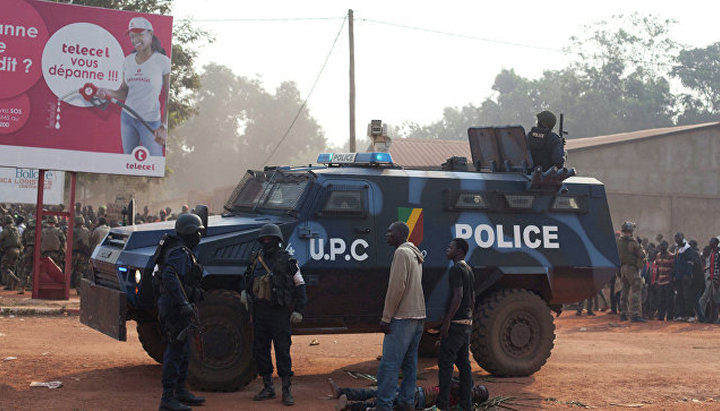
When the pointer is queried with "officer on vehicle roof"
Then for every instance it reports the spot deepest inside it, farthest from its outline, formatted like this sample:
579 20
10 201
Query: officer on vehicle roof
546 147
275 286
180 277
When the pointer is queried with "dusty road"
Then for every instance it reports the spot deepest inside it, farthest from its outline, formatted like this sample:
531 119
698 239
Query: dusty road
595 363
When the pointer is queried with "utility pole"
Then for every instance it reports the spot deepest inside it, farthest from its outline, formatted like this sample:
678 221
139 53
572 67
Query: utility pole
352 81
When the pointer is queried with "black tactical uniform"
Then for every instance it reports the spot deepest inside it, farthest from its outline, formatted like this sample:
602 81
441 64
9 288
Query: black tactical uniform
179 281
277 290
546 147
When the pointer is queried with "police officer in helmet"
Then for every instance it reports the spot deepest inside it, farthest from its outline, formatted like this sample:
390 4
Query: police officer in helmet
180 277
276 288
546 147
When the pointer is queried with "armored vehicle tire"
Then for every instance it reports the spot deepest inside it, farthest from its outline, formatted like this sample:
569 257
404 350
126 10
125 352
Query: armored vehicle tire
227 363
151 339
427 348
513 333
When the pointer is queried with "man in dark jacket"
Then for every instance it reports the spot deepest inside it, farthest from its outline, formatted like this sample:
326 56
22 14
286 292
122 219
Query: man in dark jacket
683 268
456 329
180 277
546 147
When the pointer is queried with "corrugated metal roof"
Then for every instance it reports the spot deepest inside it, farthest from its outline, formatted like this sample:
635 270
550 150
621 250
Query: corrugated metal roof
420 152
590 142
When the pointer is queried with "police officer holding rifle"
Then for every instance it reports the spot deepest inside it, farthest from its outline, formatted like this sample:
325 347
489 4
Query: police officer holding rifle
178 280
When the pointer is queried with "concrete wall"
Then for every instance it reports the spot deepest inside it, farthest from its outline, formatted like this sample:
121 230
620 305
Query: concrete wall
664 184
681 163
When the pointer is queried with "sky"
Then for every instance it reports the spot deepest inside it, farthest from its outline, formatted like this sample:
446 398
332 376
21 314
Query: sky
412 58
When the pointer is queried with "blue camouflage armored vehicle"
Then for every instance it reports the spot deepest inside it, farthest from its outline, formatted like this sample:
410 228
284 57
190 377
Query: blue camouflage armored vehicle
537 240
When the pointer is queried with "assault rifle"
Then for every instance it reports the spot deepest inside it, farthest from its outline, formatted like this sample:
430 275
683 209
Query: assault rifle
562 132
195 326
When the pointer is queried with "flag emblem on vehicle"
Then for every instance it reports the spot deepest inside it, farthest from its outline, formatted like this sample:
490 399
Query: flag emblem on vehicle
413 217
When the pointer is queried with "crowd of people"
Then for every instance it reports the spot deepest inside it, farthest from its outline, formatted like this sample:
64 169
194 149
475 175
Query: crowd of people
17 238
661 280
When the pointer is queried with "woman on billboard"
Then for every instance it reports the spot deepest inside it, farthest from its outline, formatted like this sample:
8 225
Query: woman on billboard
146 73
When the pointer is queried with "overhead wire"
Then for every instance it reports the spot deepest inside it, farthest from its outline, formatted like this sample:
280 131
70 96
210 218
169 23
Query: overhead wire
565 51
304 104
465 36
268 19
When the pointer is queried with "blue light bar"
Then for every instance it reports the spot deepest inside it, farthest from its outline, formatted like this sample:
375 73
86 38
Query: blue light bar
373 158
324 158
382 158
355 158
122 269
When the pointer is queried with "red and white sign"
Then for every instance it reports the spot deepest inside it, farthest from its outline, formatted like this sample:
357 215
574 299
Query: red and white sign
48 53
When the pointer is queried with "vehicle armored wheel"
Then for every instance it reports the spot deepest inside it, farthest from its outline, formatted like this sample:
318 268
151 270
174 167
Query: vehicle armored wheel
227 363
427 347
151 339
513 333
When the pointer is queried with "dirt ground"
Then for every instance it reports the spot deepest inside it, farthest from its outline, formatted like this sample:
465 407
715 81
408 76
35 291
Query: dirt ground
597 362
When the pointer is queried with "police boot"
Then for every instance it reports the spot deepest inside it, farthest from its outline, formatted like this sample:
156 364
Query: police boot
268 391
287 397
186 397
623 317
172 404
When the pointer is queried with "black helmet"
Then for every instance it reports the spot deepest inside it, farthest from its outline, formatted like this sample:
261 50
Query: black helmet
187 224
270 230
628 226
546 119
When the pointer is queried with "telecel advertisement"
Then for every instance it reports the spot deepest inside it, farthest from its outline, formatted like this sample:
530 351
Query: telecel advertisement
83 88
19 185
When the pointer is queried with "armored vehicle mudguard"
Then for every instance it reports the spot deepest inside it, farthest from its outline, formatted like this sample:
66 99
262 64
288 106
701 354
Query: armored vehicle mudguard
537 241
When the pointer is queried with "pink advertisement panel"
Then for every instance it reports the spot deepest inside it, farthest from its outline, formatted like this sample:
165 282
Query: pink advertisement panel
83 88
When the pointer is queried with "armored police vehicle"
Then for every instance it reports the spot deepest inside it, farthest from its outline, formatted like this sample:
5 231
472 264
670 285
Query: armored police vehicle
537 240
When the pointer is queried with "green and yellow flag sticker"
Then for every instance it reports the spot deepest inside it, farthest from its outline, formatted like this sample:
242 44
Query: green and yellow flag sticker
413 217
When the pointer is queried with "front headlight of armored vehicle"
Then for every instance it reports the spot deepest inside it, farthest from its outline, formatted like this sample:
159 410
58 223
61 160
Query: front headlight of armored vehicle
138 276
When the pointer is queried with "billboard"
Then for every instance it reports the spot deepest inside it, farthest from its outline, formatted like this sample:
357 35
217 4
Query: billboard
83 88
19 185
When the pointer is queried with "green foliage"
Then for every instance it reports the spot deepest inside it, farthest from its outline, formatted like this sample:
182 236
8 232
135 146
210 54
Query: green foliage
617 83
699 71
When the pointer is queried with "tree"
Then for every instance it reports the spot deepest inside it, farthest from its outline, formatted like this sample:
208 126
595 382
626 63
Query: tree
237 127
699 71
616 83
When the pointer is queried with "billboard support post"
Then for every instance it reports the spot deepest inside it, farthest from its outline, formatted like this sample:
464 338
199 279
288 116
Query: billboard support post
42 268
38 234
